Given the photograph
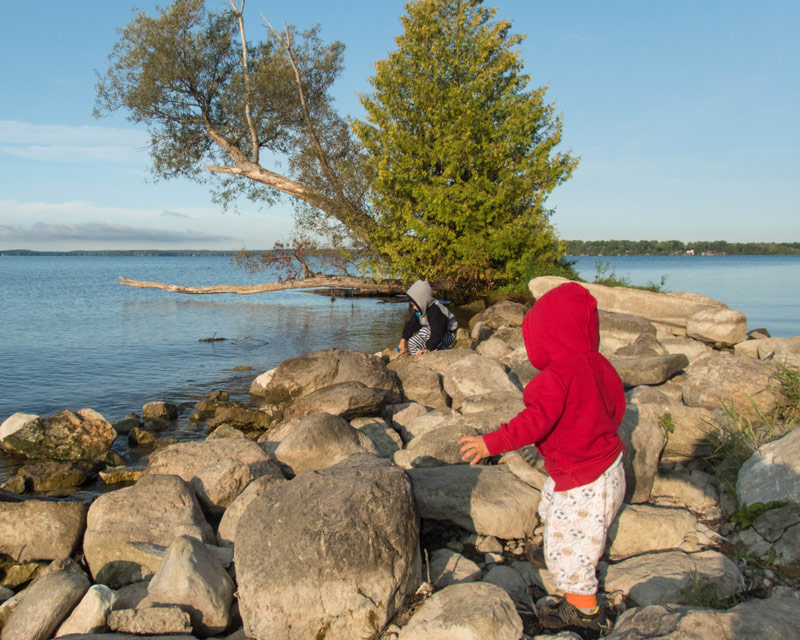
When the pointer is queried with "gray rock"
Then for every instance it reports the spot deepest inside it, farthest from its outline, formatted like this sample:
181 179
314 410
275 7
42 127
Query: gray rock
163 410
319 441
668 310
297 377
242 418
720 327
654 578
692 427
648 370
217 485
124 525
467 496
427 422
150 621
53 475
480 331
91 614
226 532
186 459
470 611
741 384
192 579
771 619
692 349
505 313
527 464
386 440
494 348
343 559
780 350
44 605
434 448
641 528
399 415
510 404
618 330
512 336
345 399
644 442
84 435
418 383
696 491
41 530
772 473
510 581
448 567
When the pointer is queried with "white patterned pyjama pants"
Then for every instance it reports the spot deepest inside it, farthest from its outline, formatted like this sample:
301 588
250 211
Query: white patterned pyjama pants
575 526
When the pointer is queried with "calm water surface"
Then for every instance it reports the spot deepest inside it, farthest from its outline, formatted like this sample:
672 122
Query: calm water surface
73 337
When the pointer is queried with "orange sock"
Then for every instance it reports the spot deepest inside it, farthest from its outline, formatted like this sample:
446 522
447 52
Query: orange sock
587 603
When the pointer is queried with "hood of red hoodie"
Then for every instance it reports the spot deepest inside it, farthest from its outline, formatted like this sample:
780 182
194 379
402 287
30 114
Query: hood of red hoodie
562 323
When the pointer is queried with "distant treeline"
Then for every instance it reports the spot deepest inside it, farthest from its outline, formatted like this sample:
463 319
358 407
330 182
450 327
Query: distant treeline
676 247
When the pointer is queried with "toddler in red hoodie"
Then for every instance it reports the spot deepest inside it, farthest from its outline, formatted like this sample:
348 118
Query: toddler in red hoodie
573 409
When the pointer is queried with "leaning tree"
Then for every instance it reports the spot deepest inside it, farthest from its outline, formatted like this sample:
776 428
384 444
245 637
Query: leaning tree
446 179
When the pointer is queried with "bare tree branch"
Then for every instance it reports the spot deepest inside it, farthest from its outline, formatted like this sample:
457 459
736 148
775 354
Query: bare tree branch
361 286
253 135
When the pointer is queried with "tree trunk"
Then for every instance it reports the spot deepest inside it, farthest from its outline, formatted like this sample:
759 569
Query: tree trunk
347 285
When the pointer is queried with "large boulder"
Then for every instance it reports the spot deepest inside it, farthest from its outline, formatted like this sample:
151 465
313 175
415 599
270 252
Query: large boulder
720 327
226 532
386 439
44 605
128 530
641 528
781 528
471 611
654 578
780 350
192 579
505 313
649 370
468 496
448 567
91 614
688 430
669 310
84 435
618 330
419 383
41 530
466 373
186 459
743 385
434 448
772 473
349 399
314 442
298 377
644 442
770 619
330 554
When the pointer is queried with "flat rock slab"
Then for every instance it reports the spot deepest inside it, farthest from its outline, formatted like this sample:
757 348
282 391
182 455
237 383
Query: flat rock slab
771 619
41 530
486 499
650 370
772 473
472 611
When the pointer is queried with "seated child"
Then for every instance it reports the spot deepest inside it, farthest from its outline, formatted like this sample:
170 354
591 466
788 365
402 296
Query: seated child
573 409
431 326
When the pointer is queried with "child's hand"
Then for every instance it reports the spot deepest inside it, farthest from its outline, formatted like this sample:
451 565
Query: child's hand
422 352
401 348
473 449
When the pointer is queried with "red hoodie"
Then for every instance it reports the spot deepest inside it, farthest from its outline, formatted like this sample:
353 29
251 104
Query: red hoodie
574 406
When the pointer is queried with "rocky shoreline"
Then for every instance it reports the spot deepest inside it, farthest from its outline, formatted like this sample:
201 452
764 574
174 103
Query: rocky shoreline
335 504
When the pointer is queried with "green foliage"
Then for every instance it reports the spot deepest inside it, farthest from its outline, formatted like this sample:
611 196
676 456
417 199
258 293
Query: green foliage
788 378
748 514
736 439
462 154
703 592
606 274
667 424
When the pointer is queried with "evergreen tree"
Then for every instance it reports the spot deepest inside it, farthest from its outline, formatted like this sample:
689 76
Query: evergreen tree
462 152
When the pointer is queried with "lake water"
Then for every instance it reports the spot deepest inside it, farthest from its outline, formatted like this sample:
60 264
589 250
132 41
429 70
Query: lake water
73 337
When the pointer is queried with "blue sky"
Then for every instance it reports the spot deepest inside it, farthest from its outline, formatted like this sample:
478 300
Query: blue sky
686 116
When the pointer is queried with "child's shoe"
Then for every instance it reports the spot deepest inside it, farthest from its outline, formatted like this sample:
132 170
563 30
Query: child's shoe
562 614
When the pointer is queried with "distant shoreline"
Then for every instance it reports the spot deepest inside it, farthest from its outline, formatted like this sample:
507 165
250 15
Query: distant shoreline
574 248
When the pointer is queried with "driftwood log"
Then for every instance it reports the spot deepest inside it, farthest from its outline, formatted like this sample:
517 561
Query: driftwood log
337 285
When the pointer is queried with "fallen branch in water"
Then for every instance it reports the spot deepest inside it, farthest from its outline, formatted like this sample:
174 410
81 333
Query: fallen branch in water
354 285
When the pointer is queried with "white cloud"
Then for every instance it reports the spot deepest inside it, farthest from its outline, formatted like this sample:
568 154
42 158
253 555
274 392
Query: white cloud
72 144
102 232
